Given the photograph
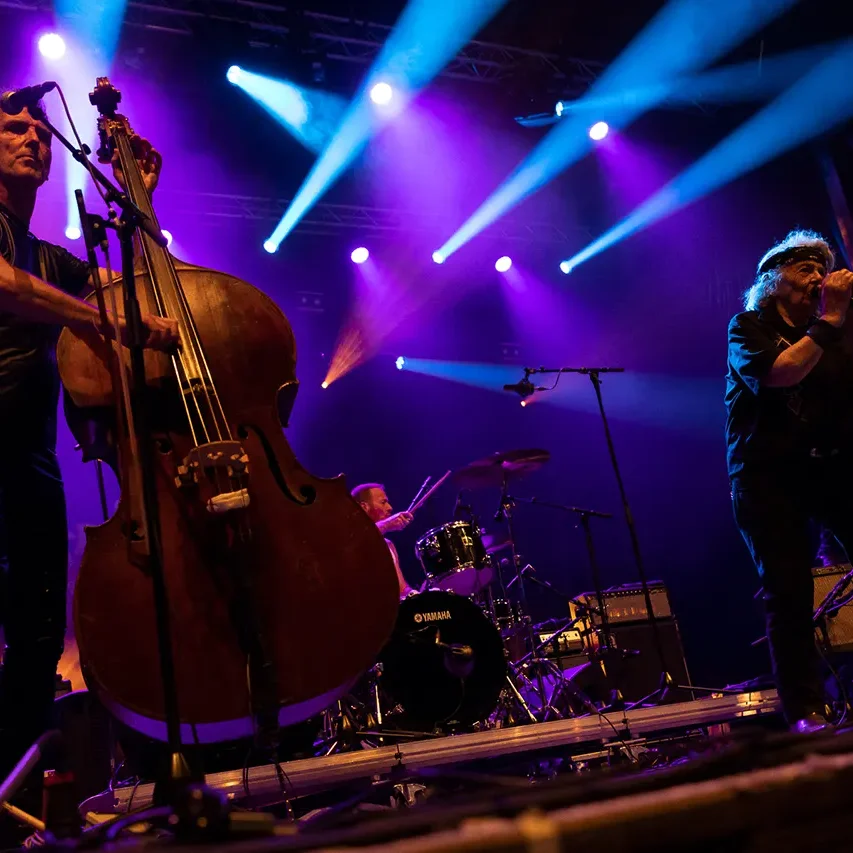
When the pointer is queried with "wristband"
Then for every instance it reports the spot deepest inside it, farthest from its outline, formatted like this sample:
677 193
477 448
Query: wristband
824 334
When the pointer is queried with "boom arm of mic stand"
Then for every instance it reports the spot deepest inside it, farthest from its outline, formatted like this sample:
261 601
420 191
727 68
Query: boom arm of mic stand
113 194
529 371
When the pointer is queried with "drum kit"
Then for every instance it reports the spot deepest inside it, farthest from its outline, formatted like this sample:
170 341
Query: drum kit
465 654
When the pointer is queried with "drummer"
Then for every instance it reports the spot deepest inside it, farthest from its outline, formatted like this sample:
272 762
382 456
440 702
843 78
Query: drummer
374 501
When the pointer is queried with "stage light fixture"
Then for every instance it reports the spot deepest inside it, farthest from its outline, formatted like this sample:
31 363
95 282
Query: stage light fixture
503 264
359 255
381 94
524 404
565 267
168 236
72 232
233 74
270 247
51 46
437 258
324 384
558 109
400 362
599 130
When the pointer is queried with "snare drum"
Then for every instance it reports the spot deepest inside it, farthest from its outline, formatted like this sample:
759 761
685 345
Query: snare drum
444 663
454 559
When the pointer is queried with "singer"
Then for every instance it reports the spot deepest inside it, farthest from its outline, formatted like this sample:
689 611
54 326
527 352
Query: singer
789 433
39 283
373 500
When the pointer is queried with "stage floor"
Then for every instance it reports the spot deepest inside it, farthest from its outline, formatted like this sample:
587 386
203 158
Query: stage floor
571 737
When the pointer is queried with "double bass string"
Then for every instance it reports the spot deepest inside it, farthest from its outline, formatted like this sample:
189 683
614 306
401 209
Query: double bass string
192 344
200 368
182 374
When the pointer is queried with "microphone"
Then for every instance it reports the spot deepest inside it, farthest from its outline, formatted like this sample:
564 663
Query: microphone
13 102
525 388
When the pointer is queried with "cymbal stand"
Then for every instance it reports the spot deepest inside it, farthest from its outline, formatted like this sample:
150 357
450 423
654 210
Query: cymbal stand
505 512
666 681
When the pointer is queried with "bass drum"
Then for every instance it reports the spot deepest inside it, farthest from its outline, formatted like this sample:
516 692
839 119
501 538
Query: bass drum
445 663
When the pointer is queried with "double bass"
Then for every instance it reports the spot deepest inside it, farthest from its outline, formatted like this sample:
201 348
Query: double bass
279 587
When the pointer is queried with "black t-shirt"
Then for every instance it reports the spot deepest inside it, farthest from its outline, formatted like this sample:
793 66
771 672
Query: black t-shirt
29 382
768 429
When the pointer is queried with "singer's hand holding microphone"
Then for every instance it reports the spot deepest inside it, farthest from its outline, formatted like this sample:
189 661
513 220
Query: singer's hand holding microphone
835 291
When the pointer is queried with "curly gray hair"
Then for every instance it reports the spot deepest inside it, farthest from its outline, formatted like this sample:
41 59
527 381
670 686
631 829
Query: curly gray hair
762 289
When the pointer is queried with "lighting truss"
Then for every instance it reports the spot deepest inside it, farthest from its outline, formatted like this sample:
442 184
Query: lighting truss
324 218
335 38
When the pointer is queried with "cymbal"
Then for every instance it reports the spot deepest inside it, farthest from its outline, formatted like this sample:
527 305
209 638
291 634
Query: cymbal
492 470
495 541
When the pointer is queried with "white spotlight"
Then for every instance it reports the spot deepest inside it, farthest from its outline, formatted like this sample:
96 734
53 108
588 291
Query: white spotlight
438 258
503 264
233 74
558 109
72 232
168 236
269 246
52 46
359 255
599 130
565 267
381 94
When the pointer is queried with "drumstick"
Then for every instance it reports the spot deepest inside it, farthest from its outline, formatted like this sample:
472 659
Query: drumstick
426 497
420 492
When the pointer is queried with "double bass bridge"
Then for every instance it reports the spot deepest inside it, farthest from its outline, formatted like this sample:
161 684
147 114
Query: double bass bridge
206 463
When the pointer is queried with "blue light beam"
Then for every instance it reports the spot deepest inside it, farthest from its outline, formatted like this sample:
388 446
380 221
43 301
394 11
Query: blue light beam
684 36
683 404
491 377
813 105
310 115
427 35
757 80
96 26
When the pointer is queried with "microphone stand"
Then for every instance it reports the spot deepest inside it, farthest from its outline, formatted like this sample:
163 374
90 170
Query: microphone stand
594 373
131 214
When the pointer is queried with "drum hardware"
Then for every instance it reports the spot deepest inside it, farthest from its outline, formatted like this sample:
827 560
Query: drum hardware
520 672
358 720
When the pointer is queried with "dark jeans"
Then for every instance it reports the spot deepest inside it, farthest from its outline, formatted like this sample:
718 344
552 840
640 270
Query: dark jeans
32 591
775 513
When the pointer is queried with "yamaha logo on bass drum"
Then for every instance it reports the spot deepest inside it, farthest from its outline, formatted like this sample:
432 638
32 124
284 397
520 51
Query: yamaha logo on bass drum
437 616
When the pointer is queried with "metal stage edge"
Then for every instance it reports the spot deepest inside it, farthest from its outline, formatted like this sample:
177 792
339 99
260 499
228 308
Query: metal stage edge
310 775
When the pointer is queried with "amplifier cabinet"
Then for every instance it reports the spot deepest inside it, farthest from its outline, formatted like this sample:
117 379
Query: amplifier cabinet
640 668
836 632
624 603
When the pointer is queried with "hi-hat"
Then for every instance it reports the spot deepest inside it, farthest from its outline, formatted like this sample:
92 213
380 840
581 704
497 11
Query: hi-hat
494 469
496 541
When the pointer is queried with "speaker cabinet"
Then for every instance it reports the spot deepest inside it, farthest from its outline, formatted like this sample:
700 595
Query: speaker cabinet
836 631
641 673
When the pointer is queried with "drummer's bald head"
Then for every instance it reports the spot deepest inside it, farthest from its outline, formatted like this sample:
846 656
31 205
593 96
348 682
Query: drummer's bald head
373 500
362 493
